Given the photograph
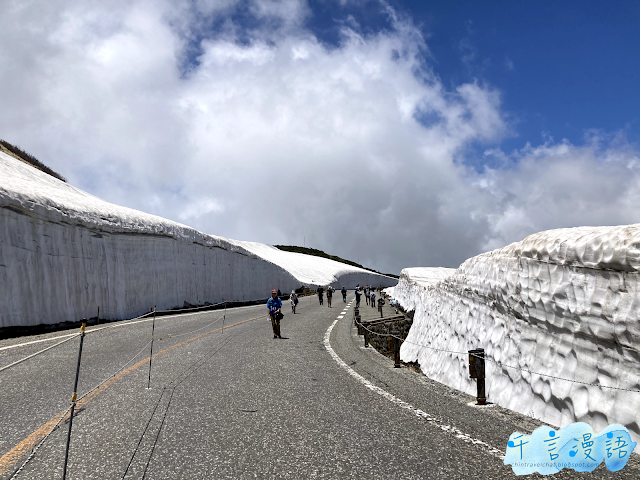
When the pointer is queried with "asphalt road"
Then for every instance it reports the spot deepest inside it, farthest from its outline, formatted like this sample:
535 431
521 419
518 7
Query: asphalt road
239 404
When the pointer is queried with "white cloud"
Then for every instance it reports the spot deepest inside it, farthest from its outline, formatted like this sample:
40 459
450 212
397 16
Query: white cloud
200 207
274 136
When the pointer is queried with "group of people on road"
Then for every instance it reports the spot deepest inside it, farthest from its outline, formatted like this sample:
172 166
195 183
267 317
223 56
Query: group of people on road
274 304
320 291
369 295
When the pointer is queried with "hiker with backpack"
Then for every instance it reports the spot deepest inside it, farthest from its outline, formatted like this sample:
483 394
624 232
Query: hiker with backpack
344 294
372 298
294 301
274 304
329 295
320 295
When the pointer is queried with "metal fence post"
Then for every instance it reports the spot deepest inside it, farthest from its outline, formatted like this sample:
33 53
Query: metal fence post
396 352
73 399
153 328
477 371
224 317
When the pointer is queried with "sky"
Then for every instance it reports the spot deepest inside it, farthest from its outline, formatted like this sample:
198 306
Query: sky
393 133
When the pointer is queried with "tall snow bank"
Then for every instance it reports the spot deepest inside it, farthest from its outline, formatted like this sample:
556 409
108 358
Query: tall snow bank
64 252
563 303
414 281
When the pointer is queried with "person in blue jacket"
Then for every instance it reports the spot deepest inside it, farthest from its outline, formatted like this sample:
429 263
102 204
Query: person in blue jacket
274 304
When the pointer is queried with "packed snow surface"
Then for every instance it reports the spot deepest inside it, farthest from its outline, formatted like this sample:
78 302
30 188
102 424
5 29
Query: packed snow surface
64 252
561 303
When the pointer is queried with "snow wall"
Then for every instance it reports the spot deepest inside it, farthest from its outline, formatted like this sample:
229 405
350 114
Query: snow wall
564 303
64 252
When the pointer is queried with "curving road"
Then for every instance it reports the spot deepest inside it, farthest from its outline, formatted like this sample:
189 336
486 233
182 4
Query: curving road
239 404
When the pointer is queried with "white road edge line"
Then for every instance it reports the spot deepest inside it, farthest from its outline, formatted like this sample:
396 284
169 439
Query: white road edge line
407 406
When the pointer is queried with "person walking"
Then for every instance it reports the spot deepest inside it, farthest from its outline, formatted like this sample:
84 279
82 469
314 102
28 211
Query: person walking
329 295
366 294
274 304
294 301
344 294
320 295
358 294
372 299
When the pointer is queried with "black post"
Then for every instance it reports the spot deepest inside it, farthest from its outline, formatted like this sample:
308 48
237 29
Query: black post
396 352
366 337
477 371
73 399
153 328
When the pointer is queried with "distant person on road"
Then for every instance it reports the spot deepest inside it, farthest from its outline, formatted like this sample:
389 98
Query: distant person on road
329 295
358 294
294 301
274 304
320 295
380 304
366 294
372 299
344 294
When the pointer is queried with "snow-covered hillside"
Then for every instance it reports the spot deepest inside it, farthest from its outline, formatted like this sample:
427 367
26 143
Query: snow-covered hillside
563 303
64 252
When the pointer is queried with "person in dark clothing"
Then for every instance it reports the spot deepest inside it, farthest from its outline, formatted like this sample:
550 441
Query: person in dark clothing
329 295
274 304
321 295
279 293
358 294
344 294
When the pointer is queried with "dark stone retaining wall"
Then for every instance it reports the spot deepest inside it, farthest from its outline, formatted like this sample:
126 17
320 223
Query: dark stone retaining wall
399 328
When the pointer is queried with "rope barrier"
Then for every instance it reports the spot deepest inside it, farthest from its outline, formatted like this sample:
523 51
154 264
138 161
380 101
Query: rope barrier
497 363
37 353
72 336
35 449
193 367
197 330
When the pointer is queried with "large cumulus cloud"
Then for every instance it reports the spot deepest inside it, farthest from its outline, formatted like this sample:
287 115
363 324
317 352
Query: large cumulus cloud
234 118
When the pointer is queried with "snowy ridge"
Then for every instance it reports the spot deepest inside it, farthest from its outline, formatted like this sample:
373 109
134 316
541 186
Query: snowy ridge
64 252
308 269
564 303
414 281
32 192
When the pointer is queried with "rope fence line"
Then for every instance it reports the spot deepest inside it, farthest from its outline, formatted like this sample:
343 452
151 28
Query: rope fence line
35 449
74 335
198 329
503 365
60 418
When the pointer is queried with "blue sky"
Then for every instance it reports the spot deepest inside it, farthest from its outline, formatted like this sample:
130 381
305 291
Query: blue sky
398 133
561 67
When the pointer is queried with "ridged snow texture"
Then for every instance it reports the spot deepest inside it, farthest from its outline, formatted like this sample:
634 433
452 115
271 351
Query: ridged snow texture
563 302
64 252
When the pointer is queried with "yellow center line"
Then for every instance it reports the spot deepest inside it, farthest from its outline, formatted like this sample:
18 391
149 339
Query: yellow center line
13 456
